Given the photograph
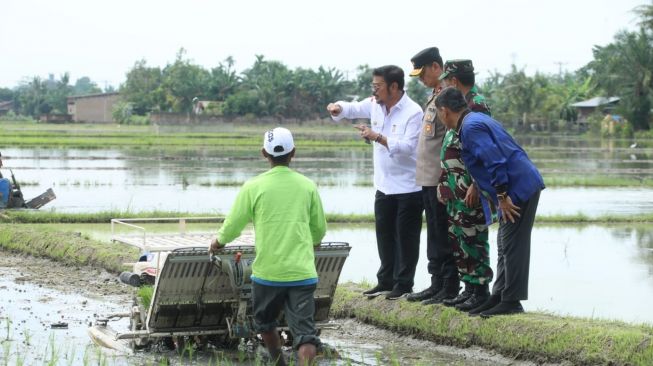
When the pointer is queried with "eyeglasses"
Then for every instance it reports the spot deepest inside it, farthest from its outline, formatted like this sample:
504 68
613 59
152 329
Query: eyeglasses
376 86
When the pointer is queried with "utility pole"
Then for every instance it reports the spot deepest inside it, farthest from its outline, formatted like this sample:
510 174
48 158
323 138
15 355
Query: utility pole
560 63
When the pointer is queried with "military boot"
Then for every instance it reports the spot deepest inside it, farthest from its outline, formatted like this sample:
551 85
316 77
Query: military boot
450 289
436 286
462 297
480 295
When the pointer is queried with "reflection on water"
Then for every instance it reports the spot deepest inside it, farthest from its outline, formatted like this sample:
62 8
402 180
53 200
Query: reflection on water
589 271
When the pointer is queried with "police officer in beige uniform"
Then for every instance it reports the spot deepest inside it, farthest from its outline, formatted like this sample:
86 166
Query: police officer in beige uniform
427 65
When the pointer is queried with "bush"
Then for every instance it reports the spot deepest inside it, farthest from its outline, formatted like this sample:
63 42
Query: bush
624 129
594 123
13 117
123 114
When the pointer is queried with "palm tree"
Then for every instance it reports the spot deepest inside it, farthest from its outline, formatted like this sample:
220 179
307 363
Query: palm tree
645 12
625 68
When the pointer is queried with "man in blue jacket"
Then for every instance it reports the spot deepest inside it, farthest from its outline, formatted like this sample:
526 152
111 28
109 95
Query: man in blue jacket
510 184
5 188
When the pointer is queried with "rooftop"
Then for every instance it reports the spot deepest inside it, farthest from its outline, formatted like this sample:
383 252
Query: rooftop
596 102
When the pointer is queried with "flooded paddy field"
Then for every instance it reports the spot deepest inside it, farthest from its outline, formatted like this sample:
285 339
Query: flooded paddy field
586 179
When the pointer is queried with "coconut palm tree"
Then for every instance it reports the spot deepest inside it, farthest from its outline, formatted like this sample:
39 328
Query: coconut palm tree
625 68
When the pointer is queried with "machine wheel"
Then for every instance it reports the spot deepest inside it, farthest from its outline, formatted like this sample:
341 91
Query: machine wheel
137 343
180 344
169 343
146 279
135 324
288 339
223 341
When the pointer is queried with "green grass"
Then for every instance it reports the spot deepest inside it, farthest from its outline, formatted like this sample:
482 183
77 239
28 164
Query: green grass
108 136
601 219
47 217
596 181
532 336
66 247
145 293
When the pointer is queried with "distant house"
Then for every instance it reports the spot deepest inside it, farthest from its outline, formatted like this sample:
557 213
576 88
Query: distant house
601 104
96 108
5 107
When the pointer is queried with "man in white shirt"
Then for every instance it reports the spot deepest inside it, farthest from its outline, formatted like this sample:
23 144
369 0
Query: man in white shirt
396 121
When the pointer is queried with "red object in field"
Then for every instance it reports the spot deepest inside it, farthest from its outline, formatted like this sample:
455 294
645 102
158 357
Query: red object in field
237 257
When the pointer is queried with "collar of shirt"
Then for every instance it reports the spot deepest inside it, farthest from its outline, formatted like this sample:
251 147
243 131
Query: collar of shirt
399 104
434 94
471 93
461 119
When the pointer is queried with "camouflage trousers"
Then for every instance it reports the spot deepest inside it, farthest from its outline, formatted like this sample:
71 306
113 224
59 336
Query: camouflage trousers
468 236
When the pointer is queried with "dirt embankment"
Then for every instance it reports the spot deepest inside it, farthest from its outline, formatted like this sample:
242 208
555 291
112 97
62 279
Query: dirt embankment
89 281
537 337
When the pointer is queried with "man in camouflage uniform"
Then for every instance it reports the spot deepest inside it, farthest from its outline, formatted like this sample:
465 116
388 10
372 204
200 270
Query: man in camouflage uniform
468 231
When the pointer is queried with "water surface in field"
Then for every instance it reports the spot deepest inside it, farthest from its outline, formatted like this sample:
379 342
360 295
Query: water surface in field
205 180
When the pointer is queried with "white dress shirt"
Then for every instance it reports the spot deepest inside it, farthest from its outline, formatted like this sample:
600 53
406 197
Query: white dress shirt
394 166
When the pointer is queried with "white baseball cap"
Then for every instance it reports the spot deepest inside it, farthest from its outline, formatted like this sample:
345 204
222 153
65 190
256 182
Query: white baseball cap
278 141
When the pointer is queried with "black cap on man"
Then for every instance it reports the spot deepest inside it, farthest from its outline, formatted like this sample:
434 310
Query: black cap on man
423 58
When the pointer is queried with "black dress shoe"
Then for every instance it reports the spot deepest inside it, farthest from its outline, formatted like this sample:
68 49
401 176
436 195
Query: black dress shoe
503 308
491 302
397 293
472 302
377 290
462 297
444 294
422 295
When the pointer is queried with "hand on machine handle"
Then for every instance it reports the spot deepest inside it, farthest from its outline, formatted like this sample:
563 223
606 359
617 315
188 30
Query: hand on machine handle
214 248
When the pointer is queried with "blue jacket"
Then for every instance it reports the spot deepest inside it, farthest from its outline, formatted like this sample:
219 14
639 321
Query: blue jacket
5 191
494 159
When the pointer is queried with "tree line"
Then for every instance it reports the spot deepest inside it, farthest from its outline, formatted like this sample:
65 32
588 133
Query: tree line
38 96
268 88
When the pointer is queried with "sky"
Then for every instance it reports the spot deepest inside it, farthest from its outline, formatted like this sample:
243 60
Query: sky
103 39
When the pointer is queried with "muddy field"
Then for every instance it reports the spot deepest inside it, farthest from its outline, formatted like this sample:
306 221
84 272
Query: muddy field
39 296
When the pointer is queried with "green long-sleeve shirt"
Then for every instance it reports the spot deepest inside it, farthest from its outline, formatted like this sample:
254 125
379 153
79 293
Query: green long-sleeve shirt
289 221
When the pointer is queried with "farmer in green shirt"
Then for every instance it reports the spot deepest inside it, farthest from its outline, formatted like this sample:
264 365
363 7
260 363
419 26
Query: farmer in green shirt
289 222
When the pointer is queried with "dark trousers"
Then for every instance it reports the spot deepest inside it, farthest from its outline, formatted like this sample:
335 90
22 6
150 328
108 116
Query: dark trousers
514 253
398 227
439 250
